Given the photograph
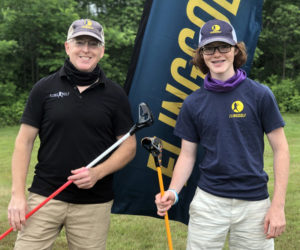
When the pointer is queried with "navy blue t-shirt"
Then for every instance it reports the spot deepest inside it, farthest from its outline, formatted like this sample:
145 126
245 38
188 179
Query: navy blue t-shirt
230 127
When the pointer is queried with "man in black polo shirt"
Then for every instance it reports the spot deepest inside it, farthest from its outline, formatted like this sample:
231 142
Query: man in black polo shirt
77 113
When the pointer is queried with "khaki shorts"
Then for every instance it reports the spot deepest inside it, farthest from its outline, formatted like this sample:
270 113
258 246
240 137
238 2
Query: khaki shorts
212 217
86 225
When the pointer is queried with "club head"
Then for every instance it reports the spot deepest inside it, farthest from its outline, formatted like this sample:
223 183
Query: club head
145 115
145 118
152 144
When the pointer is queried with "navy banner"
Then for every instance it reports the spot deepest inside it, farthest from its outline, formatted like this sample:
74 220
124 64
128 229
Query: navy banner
161 75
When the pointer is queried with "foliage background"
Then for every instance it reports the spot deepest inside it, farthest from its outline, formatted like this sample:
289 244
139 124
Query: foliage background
32 36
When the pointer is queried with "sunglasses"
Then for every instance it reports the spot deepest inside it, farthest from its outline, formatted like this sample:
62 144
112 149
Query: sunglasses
90 43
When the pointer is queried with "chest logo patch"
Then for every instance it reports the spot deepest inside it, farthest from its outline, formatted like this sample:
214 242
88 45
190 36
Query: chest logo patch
60 94
237 107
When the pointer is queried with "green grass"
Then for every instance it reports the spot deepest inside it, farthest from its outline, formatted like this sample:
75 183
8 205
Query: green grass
128 232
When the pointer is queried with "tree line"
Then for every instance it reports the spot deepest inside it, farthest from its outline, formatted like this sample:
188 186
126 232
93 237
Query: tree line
32 35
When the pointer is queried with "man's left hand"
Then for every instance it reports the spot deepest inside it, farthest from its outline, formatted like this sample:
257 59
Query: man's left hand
84 178
274 224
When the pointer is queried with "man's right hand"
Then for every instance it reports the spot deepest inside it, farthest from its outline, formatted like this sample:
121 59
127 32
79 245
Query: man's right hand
164 203
17 210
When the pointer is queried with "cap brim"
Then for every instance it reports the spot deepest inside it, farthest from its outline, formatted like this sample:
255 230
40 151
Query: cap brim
217 39
84 33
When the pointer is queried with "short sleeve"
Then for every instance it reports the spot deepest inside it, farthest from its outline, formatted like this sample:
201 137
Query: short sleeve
270 114
185 125
33 111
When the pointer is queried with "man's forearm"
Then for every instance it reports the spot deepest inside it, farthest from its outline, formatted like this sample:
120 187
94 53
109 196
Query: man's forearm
281 174
21 157
184 165
20 164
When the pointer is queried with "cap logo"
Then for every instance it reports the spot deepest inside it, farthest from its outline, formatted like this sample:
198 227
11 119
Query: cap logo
88 24
215 29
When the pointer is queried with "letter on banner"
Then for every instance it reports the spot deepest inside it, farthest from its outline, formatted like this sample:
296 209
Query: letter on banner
207 8
181 63
231 7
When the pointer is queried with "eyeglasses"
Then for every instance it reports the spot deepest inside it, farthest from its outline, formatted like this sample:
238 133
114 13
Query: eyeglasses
91 44
211 50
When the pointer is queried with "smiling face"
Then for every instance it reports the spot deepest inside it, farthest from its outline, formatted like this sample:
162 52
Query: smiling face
83 52
220 64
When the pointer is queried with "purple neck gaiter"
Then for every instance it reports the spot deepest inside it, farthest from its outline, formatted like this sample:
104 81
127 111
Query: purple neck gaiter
220 86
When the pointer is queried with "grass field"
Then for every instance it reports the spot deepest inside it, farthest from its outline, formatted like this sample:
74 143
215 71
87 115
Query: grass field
129 232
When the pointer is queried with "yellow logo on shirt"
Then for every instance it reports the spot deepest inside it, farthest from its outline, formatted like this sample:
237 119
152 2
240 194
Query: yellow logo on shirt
237 107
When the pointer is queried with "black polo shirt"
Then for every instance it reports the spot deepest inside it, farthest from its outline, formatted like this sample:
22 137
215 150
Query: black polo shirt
74 128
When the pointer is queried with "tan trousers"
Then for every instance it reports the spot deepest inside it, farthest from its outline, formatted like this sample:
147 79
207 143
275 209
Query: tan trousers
86 225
